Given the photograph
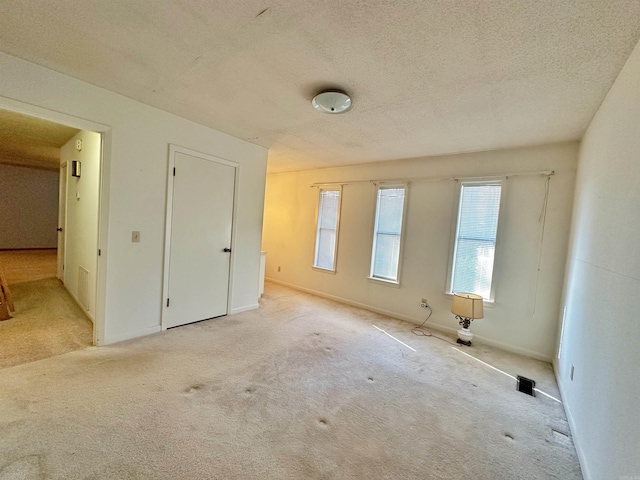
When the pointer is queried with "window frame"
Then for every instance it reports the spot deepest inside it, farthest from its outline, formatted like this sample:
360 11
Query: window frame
455 226
327 188
383 280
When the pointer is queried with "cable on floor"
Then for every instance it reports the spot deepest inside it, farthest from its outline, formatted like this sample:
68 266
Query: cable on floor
422 331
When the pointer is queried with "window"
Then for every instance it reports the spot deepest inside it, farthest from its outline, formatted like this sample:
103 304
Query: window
475 240
387 233
327 229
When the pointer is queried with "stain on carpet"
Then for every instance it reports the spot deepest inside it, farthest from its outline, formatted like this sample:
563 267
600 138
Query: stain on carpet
25 468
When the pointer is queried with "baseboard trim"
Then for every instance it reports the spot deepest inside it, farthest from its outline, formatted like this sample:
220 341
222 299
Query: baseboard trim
510 348
399 316
15 249
582 459
246 308
108 340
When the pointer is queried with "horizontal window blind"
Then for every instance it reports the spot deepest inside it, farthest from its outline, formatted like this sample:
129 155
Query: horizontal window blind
387 234
327 228
475 245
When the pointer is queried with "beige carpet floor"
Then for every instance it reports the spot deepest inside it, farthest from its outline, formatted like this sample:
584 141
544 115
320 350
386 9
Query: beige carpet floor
302 388
47 321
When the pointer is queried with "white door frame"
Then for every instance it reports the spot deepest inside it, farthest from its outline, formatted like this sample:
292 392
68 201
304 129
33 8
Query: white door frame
173 149
62 220
103 203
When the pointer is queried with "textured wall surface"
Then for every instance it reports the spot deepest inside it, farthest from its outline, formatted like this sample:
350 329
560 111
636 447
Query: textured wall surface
28 207
524 316
83 196
135 158
601 329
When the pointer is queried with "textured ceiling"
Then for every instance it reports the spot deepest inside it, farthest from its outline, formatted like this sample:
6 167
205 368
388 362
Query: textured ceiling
427 77
31 142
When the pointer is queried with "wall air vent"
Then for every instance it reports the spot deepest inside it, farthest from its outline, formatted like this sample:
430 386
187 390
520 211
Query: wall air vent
83 287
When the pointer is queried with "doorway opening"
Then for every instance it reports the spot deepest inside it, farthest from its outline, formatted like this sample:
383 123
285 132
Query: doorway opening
49 211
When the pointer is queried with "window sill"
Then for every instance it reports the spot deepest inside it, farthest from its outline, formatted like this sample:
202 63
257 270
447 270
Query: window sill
324 270
382 281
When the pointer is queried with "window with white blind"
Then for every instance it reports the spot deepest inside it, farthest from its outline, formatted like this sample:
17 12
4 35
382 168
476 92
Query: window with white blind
387 234
475 240
327 229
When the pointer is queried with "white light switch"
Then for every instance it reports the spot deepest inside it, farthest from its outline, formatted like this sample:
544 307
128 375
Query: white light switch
135 237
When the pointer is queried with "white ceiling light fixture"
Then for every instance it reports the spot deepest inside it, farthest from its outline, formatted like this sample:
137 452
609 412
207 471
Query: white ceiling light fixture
332 101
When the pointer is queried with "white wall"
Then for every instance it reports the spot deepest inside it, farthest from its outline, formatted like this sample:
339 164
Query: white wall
522 319
136 146
81 226
28 207
601 330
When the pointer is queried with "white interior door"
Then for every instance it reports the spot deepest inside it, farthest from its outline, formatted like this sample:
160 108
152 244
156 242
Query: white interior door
62 216
200 240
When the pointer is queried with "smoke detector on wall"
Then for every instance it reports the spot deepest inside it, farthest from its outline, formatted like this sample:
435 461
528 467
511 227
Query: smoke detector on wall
332 101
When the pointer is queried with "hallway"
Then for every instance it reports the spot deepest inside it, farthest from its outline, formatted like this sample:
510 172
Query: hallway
47 321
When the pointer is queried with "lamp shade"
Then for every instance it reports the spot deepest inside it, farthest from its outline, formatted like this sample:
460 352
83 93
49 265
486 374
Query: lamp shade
467 305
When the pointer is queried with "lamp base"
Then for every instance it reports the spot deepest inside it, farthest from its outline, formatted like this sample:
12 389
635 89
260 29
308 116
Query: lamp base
465 336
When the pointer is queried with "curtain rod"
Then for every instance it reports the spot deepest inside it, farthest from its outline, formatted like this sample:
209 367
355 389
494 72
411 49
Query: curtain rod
546 173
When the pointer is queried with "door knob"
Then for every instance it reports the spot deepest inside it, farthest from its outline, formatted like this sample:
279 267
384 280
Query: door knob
226 250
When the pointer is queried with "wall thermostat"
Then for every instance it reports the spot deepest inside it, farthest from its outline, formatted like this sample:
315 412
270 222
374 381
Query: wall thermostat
75 168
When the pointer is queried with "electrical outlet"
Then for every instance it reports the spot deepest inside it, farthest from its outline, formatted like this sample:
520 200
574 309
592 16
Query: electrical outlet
424 303
135 237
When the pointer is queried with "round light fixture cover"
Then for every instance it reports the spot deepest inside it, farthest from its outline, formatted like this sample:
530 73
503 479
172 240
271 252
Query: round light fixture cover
332 101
